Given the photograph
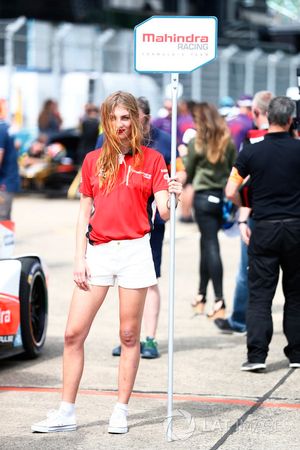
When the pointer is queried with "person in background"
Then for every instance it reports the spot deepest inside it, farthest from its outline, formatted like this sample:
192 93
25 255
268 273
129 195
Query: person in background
185 125
49 120
164 120
273 165
227 107
242 122
123 176
9 173
236 322
159 140
185 119
89 128
186 130
208 163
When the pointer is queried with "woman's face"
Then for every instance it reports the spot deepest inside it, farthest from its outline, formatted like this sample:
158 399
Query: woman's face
121 122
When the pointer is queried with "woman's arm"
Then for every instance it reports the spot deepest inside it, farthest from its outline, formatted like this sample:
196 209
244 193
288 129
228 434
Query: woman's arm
162 198
81 271
190 161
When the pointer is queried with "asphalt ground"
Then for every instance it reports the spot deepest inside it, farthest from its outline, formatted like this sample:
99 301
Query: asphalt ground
215 404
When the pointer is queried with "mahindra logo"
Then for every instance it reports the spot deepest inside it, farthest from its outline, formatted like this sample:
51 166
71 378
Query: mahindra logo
5 316
151 37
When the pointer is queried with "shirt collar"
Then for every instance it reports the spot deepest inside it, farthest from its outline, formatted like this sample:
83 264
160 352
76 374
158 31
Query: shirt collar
277 135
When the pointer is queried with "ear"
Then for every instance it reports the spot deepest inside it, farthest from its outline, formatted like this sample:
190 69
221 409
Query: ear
256 113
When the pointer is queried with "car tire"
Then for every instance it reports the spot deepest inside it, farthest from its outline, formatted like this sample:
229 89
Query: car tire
33 306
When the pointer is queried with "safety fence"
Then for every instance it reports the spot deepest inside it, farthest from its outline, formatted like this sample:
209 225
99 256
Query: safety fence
59 49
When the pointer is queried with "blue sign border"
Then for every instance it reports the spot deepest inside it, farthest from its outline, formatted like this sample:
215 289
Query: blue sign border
175 17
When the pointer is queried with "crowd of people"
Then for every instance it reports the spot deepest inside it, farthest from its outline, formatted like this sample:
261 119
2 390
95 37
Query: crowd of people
246 152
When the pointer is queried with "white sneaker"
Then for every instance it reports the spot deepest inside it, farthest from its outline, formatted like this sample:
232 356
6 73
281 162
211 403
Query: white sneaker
56 421
118 421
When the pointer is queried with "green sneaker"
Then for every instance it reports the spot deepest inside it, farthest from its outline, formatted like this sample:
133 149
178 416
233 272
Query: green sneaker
149 349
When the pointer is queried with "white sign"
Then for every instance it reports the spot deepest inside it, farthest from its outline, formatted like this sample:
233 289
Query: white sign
174 44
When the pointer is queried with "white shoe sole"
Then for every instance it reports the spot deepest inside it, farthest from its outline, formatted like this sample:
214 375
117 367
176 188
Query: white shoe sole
295 365
258 366
118 430
41 429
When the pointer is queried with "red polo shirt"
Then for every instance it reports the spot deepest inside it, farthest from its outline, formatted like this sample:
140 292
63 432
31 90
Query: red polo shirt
126 211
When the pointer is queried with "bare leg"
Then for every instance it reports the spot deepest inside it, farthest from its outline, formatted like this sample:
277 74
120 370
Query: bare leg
84 306
131 312
151 310
186 202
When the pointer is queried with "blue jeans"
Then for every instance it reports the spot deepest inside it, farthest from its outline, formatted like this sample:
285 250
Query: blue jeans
237 320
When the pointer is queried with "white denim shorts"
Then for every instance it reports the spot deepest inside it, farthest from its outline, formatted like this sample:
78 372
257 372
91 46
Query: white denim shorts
129 262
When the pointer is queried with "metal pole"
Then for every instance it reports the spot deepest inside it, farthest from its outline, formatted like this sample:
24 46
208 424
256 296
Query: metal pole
58 37
174 87
225 57
99 60
294 62
10 31
272 61
102 40
250 59
183 7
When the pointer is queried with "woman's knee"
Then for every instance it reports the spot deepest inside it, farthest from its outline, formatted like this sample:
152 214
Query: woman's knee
129 336
73 338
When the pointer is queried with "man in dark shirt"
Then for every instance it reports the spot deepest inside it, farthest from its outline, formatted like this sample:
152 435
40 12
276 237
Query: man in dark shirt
274 167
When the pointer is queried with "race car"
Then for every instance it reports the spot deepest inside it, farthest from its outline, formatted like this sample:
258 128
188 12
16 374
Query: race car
23 299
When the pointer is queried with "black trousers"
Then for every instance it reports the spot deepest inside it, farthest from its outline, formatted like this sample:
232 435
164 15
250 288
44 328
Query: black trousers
208 215
273 245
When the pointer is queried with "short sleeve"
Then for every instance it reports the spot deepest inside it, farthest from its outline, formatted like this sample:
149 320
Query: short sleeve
232 154
85 183
242 162
190 161
160 175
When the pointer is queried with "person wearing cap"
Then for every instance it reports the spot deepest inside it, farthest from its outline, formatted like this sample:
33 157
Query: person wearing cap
240 124
226 106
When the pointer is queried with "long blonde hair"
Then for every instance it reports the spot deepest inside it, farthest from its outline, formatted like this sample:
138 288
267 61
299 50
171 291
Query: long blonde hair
212 135
107 165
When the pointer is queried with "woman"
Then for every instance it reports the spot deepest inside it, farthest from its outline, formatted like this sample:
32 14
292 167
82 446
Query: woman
118 185
49 120
210 157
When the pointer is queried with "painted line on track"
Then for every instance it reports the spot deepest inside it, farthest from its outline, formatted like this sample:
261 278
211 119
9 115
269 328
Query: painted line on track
149 395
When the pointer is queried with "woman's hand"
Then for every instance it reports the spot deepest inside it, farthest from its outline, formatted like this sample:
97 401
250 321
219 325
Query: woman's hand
175 187
81 274
162 198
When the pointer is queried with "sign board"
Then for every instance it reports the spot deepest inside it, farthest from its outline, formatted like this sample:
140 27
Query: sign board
174 44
